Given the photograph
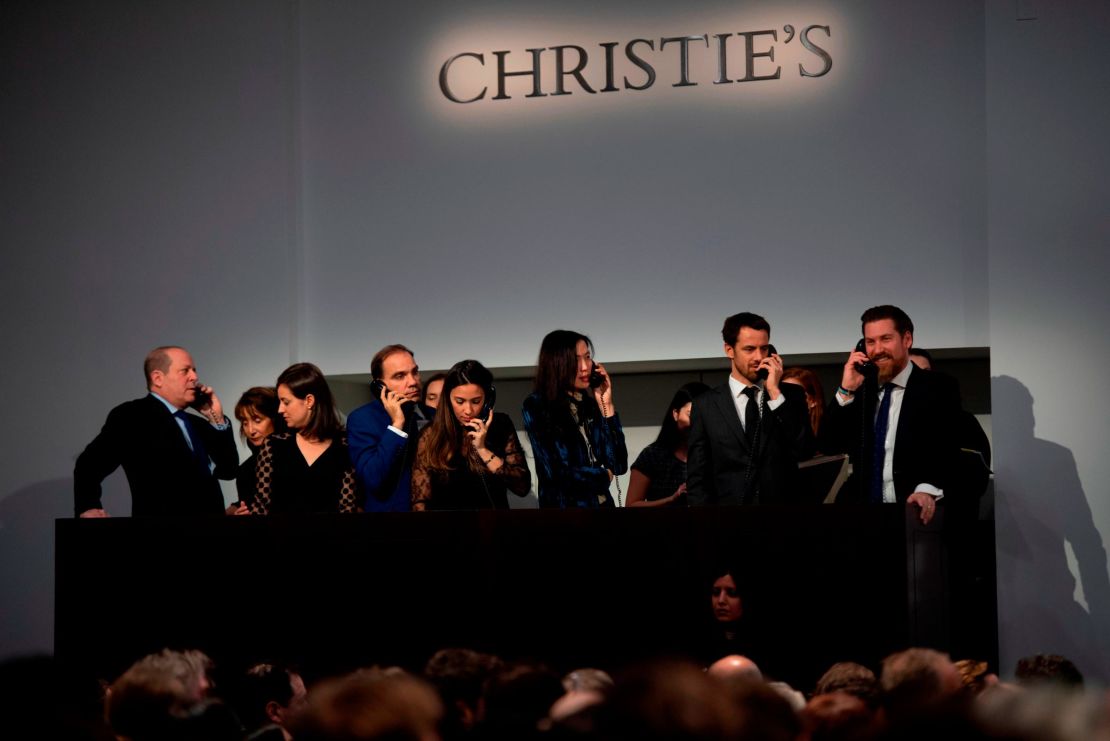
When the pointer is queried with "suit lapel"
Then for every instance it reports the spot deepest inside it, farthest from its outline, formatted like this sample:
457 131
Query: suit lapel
170 429
727 408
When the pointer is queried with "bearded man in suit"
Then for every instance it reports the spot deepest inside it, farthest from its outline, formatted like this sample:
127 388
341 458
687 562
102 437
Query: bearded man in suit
898 423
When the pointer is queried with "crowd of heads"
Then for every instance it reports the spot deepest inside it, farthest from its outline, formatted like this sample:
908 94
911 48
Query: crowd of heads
463 694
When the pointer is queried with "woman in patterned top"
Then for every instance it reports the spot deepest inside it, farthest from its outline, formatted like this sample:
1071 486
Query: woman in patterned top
309 471
470 456
659 474
257 412
576 433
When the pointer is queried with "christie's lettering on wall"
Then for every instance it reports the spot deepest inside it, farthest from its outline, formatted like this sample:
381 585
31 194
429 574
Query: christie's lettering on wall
612 66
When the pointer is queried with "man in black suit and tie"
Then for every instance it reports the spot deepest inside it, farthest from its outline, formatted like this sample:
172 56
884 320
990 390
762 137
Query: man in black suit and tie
748 435
172 458
897 422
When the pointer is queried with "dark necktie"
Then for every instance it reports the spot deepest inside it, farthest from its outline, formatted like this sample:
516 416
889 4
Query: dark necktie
751 413
200 455
878 452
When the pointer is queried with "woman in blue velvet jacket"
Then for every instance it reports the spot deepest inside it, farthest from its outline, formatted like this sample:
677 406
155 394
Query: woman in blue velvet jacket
576 435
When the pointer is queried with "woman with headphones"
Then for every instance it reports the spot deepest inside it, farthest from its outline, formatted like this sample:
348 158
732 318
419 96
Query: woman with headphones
470 456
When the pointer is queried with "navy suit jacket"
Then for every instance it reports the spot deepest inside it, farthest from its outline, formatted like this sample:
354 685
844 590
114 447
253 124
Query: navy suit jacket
926 447
382 458
143 436
719 453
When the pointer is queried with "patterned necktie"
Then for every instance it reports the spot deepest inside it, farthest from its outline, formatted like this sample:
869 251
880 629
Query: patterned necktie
878 453
751 412
200 455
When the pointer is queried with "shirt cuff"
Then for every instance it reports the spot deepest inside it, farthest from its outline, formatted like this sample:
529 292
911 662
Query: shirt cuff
843 400
774 404
931 490
402 433
222 425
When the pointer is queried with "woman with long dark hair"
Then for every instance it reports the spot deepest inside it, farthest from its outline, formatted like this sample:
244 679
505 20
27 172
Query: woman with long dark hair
309 471
576 435
469 457
659 472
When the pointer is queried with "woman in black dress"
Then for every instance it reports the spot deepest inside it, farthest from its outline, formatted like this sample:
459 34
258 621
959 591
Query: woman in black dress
470 456
309 471
659 474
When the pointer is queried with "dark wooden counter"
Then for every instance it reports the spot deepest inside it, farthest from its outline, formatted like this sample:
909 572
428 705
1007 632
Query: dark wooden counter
601 588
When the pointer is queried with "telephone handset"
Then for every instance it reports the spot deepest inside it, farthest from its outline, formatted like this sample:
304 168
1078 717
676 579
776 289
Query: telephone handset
761 374
596 379
490 402
200 399
865 368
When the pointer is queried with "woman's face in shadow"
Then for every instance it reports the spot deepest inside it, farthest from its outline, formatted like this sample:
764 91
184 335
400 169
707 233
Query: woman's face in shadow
727 607
682 416
255 427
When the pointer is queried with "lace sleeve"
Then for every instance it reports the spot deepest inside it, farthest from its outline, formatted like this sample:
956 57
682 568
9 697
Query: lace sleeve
421 482
515 471
263 473
348 492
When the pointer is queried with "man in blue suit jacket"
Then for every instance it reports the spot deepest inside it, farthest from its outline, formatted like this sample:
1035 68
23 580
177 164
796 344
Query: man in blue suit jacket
172 458
382 435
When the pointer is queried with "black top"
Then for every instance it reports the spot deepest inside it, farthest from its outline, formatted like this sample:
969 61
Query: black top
664 471
286 483
246 484
463 487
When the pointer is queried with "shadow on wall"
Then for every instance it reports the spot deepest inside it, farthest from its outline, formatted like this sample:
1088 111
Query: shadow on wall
27 559
1039 506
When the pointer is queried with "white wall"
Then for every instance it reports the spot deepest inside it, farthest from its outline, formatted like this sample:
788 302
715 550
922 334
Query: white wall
147 198
1049 228
640 218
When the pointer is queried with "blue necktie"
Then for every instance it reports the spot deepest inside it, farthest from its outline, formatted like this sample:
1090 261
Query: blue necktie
878 453
200 455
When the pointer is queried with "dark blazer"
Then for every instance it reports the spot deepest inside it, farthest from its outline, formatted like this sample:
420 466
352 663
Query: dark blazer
719 454
925 443
383 459
143 436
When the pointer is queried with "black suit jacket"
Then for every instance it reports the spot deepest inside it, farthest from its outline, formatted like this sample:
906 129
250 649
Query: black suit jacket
143 436
925 443
719 454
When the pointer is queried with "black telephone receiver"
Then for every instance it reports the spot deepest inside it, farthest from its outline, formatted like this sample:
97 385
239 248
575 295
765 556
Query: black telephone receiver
761 374
596 379
867 367
376 386
490 402
200 399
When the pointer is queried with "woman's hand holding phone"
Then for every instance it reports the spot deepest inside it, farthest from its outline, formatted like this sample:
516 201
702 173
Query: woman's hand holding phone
603 389
477 429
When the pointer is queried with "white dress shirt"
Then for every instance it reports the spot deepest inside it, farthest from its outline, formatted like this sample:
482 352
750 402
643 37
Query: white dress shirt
737 387
897 392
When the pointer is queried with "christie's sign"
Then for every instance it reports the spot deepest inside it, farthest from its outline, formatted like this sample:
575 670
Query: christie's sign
746 56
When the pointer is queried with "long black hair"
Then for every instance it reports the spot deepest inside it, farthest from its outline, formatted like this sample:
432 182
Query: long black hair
558 363
669 434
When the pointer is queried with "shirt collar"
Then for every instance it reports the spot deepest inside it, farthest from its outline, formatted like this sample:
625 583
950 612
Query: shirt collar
903 376
736 386
171 407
